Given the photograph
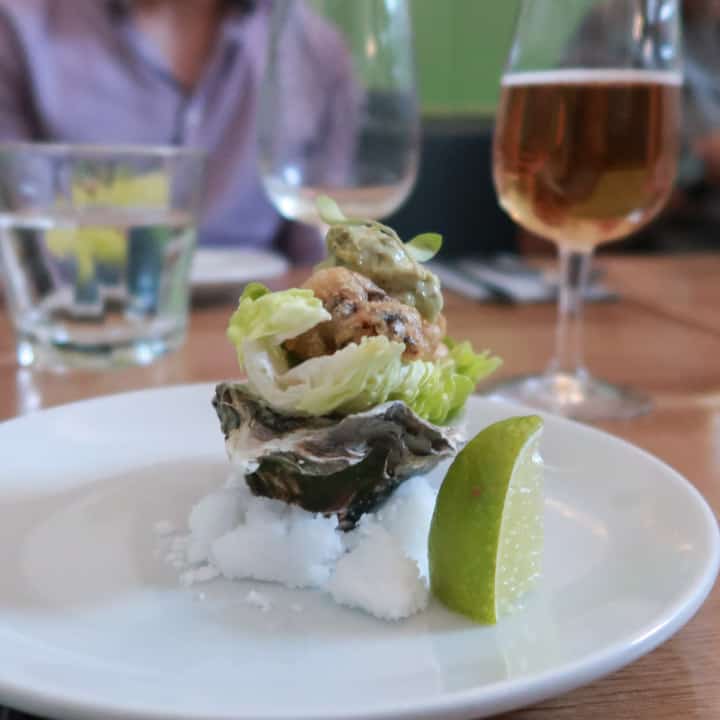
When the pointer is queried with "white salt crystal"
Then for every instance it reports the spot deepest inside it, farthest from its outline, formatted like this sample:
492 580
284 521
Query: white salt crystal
163 527
198 551
217 513
212 517
378 567
280 543
198 575
205 573
407 515
180 543
258 600
378 577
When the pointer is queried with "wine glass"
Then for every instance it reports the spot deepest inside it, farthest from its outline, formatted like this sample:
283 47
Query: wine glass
585 152
338 107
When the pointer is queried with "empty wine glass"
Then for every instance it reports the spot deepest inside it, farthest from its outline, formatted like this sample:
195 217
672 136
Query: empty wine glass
585 153
338 107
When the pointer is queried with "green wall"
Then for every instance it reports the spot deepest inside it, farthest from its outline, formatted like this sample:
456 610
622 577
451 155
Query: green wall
461 49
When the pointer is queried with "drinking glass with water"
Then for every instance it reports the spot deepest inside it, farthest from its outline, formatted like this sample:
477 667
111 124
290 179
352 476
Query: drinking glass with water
95 247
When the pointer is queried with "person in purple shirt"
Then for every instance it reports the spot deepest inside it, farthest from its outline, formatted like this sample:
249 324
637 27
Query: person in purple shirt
169 72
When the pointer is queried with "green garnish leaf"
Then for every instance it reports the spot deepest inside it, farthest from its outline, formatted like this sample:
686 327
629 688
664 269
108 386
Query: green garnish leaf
253 291
424 247
329 210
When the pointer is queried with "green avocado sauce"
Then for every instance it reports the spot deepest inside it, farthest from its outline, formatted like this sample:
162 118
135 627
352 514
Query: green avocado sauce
375 251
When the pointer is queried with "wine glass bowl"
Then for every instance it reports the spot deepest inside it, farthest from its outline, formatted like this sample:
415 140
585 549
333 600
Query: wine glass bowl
585 152
602 162
347 124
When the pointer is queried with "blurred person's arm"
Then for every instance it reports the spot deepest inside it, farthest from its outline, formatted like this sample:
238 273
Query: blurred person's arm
17 118
303 244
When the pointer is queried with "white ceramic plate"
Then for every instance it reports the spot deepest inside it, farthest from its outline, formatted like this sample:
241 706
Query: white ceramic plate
214 268
94 624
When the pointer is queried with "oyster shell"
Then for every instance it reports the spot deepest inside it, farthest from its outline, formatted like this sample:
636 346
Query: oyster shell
344 465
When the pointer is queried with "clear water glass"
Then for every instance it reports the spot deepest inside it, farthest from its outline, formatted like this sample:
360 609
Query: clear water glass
339 107
95 249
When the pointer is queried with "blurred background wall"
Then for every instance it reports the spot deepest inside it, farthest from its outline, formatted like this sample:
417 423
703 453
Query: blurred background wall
461 47
461 50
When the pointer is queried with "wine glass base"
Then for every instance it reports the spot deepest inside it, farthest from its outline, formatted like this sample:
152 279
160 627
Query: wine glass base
576 396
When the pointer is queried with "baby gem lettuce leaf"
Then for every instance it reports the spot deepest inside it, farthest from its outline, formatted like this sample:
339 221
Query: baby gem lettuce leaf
437 391
353 379
273 317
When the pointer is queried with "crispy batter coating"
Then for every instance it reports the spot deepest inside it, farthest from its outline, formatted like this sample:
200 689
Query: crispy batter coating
359 308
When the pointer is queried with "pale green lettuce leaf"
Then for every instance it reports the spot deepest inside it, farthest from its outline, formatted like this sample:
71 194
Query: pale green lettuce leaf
353 379
436 391
350 380
273 316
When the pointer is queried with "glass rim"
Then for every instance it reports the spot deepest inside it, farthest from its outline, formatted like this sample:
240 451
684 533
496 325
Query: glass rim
103 151
578 74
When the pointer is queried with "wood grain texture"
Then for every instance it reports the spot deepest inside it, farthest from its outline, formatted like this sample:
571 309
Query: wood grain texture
663 336
683 287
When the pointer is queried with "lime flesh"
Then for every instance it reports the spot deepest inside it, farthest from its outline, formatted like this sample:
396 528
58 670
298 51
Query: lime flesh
486 535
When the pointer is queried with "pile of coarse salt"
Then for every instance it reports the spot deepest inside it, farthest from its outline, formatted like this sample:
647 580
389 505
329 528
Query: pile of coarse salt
380 566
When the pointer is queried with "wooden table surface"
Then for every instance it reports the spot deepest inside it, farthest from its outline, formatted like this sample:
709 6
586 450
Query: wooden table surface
662 336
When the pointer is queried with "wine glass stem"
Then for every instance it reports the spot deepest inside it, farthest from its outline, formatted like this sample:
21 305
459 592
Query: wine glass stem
574 271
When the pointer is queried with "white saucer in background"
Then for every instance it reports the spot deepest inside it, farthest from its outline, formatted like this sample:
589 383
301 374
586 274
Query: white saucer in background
215 268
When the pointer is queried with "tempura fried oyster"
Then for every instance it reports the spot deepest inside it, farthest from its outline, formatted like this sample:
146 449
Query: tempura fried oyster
359 308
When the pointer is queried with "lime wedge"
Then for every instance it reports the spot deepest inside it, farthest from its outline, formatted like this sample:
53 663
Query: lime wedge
486 535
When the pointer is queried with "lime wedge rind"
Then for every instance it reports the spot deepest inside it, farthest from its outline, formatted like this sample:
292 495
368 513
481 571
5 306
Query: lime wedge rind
486 535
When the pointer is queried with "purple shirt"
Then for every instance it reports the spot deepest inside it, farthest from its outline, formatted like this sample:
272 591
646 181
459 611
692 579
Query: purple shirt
79 71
